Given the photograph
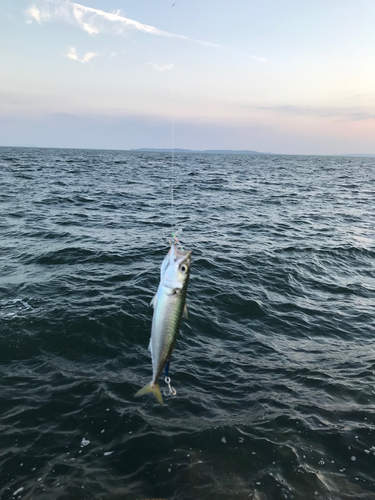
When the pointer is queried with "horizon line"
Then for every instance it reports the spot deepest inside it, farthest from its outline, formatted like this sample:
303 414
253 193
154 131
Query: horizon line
207 151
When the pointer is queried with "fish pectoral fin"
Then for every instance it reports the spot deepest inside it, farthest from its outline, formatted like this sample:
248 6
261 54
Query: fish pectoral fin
154 300
154 388
185 313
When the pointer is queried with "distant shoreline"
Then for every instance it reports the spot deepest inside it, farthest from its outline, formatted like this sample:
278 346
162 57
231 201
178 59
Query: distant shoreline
241 151
212 151
203 151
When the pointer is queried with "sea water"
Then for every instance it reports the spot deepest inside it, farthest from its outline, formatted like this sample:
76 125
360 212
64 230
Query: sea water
274 370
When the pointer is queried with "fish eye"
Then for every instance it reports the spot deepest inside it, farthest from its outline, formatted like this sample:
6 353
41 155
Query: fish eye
183 268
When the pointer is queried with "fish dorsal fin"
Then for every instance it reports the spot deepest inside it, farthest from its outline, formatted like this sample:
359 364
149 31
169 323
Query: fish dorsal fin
185 313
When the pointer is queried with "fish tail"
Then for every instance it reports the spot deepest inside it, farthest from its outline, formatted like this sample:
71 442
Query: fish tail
154 388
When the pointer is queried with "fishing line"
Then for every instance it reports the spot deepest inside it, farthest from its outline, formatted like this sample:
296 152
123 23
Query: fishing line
174 230
173 118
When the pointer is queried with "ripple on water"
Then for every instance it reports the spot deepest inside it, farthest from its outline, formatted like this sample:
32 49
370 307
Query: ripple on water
274 370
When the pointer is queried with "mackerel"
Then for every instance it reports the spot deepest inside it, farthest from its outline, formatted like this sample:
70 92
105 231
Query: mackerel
169 308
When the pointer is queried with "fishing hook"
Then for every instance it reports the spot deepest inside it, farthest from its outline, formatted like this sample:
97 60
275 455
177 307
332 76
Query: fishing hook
172 390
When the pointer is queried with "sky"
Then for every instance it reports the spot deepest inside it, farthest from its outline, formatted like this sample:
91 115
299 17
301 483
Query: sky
277 76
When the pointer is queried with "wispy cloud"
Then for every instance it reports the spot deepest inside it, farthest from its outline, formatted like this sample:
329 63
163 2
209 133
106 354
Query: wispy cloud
347 113
261 59
38 15
162 67
72 54
91 30
94 21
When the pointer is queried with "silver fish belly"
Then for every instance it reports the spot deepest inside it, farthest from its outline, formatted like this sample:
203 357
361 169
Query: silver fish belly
169 307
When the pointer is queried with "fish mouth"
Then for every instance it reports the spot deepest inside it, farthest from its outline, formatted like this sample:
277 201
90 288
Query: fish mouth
178 255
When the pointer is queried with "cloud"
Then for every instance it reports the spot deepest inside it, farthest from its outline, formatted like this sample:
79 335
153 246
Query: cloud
87 57
162 67
346 113
37 14
72 54
261 59
94 21
91 30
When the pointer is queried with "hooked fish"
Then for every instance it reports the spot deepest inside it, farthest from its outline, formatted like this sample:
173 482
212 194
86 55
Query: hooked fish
169 307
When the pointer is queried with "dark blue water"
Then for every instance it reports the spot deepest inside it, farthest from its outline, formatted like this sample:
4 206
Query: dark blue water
274 371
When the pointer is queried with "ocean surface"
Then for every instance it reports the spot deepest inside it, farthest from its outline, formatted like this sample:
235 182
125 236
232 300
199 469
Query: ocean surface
274 370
